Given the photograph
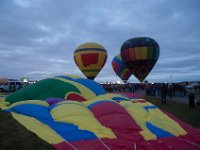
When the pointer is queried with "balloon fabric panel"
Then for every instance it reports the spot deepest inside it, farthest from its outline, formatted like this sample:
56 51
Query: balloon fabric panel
44 89
144 53
89 59
141 68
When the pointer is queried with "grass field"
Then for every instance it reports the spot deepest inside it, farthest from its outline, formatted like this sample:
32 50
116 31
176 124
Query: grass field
13 136
180 110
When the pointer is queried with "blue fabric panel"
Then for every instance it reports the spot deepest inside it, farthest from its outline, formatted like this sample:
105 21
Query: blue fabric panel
32 110
65 77
96 88
160 133
68 131
150 107
71 132
90 49
120 63
119 99
122 68
99 102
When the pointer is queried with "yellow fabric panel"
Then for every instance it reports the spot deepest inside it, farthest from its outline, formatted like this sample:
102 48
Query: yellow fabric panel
82 117
84 91
71 102
137 111
3 104
41 130
69 110
143 53
87 103
148 135
91 73
138 53
139 114
101 59
39 102
137 100
69 75
159 119
110 96
154 116
72 76
79 60
90 45
103 97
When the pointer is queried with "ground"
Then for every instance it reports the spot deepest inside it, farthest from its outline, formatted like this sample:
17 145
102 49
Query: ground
13 136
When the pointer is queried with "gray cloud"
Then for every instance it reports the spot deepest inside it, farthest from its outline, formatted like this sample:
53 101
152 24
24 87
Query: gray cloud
38 38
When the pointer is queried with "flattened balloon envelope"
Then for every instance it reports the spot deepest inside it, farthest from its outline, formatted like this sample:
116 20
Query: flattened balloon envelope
100 121
140 55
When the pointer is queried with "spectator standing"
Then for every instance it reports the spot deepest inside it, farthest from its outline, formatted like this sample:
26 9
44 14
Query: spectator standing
170 91
164 94
191 98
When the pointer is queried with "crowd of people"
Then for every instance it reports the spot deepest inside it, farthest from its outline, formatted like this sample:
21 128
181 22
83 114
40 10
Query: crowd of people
174 90
129 87
161 90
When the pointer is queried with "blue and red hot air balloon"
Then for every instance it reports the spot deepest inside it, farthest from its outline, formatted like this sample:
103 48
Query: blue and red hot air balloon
120 68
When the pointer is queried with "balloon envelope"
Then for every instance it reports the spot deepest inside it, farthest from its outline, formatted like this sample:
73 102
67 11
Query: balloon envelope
90 58
140 55
72 113
120 68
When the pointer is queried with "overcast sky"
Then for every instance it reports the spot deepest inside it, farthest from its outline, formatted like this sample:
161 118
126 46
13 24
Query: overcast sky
38 37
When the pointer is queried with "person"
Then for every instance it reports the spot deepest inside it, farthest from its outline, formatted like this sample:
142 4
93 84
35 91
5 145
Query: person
170 91
164 94
198 101
191 99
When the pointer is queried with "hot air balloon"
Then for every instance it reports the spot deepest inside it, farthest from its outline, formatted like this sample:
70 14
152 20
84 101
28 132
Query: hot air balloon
90 58
140 55
120 68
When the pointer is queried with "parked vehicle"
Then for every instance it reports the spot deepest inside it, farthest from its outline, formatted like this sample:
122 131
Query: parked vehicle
11 86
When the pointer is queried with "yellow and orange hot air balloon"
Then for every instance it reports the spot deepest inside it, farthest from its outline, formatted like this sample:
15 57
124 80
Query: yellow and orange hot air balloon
90 58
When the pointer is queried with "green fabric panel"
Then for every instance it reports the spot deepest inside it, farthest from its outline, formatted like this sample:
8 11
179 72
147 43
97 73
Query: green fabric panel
42 90
59 91
157 52
31 92
149 53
